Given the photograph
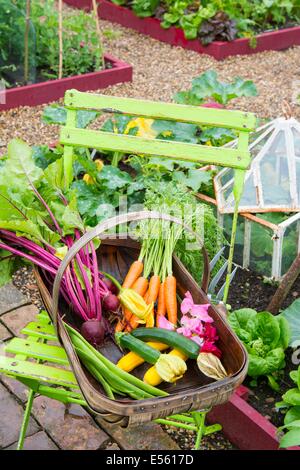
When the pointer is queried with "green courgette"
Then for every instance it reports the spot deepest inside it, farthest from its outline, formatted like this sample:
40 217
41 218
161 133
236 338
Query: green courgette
149 354
171 338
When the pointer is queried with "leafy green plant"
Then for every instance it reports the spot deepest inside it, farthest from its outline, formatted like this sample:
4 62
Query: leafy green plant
12 35
291 400
55 114
179 202
82 50
144 8
188 16
265 337
207 86
291 314
224 20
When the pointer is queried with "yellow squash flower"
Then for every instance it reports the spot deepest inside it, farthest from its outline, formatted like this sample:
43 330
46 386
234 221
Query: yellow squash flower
170 368
88 179
144 127
99 164
135 304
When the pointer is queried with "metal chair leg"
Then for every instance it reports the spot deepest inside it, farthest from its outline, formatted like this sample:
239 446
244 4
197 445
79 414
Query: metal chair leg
25 421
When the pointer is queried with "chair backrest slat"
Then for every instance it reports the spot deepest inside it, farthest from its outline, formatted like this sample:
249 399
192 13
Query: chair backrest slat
157 110
241 122
153 147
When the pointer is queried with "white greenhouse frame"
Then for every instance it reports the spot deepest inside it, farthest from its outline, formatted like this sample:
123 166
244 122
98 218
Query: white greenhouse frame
272 128
277 236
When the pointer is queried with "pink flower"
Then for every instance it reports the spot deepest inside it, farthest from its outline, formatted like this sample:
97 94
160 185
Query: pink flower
210 333
196 310
184 331
212 348
164 323
197 339
194 324
187 303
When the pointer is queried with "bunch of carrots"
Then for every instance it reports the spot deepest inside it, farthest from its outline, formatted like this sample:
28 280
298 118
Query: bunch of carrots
151 275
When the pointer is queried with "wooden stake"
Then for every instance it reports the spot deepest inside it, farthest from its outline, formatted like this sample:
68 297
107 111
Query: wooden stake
100 48
26 43
60 37
285 286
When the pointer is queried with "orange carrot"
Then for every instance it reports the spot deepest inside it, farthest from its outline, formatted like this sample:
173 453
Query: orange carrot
152 294
153 289
140 286
120 326
133 274
171 300
161 307
146 296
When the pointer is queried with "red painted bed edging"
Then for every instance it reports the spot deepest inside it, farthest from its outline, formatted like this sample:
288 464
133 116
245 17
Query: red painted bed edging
44 92
245 427
275 40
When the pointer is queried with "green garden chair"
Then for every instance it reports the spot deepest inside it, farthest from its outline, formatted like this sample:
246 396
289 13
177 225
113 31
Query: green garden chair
44 368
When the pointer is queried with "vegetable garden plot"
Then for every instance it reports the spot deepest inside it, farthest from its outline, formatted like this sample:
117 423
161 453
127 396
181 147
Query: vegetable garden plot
220 47
44 51
52 90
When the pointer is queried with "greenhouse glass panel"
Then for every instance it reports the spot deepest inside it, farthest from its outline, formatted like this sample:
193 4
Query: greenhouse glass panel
272 182
289 246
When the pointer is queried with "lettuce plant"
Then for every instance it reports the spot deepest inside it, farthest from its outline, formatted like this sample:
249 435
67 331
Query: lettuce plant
265 337
291 400
208 87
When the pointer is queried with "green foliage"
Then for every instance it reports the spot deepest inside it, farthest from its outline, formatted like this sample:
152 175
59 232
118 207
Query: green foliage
188 16
291 400
218 20
43 155
144 8
100 200
207 86
22 212
82 51
291 314
55 114
265 337
12 28
177 201
8 265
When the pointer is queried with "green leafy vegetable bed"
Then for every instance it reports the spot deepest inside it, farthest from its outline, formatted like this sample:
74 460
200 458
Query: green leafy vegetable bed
218 20
82 51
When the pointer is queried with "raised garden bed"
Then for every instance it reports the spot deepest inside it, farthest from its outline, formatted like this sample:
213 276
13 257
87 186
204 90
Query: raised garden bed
244 426
52 90
243 417
275 40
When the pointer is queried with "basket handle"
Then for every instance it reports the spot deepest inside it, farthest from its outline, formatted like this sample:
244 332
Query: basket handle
111 223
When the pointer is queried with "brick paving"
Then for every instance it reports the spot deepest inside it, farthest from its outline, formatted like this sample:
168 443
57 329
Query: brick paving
53 425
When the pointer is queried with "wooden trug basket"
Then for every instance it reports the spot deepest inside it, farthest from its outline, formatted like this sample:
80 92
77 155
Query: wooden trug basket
194 391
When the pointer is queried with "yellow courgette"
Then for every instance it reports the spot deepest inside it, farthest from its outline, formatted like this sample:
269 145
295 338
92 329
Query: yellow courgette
152 377
132 360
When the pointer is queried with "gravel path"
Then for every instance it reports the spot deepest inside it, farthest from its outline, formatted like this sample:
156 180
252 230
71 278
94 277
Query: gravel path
160 70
